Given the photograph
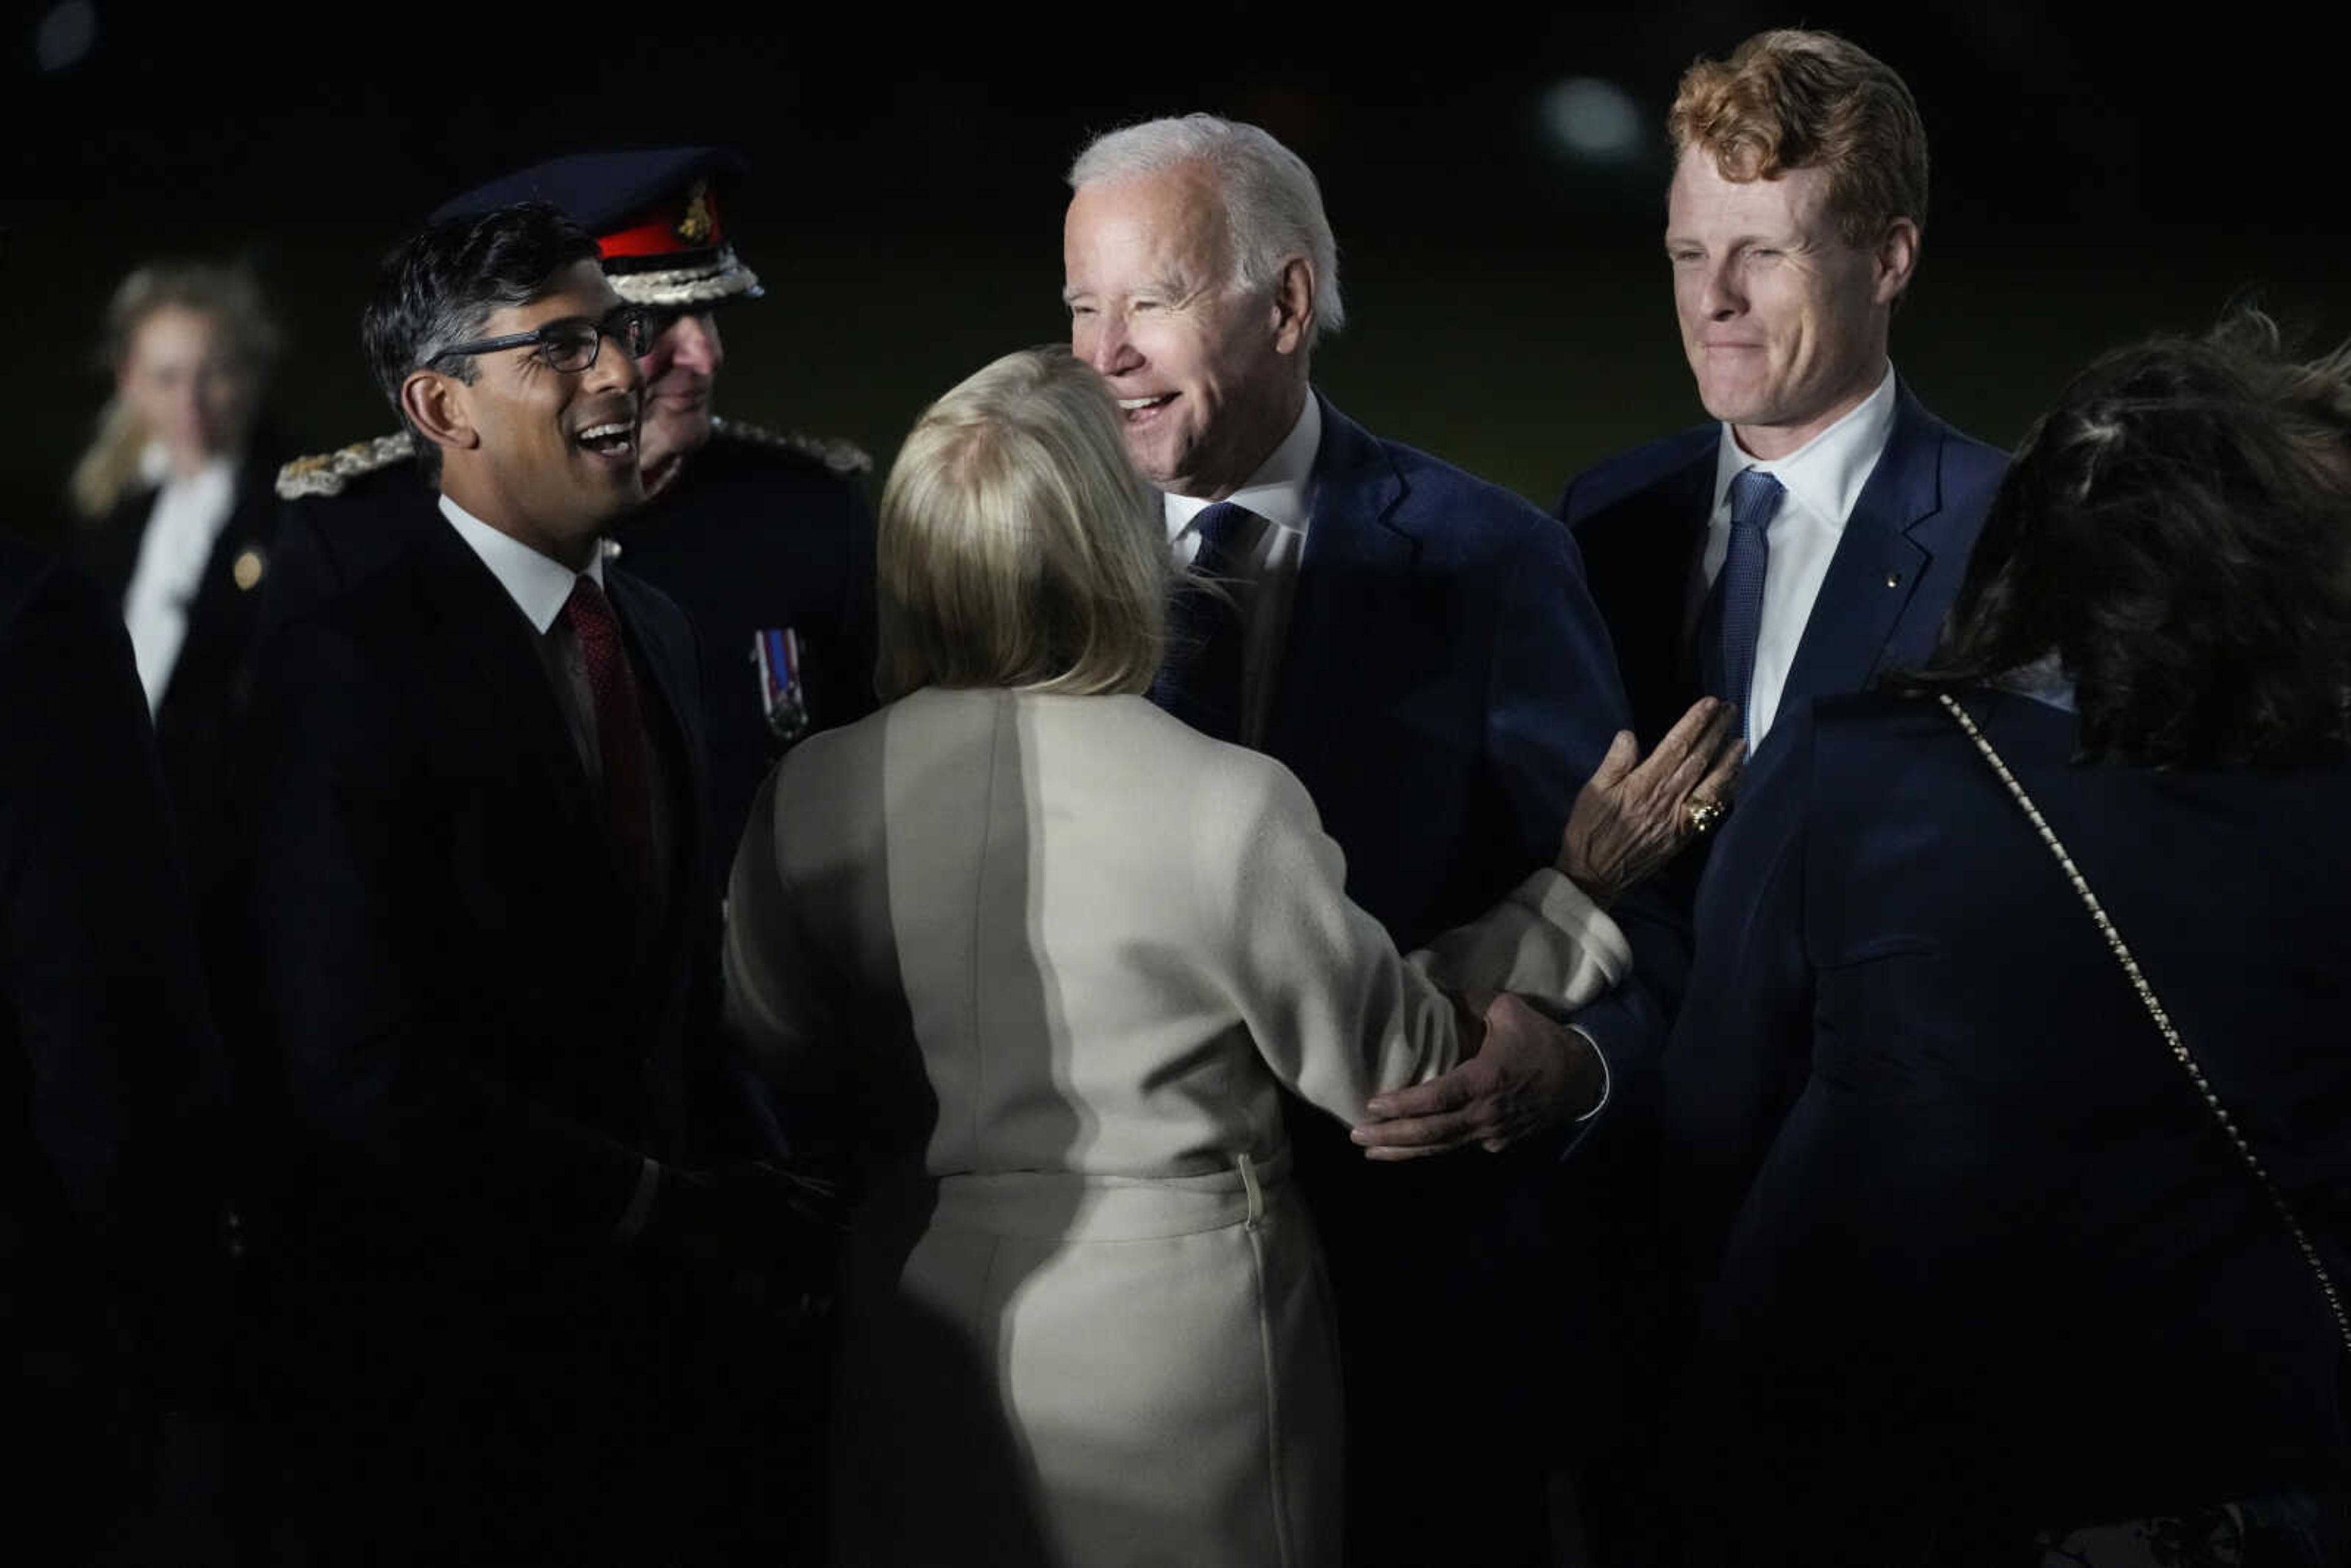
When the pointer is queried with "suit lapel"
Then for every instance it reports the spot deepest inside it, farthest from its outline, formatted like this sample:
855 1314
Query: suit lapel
492 676
221 614
1354 557
1878 563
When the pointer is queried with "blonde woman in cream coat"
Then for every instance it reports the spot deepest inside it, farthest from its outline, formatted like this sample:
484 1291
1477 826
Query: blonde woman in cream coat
1057 955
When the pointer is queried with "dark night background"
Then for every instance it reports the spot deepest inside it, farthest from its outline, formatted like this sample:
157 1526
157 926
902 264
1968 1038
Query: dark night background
2098 174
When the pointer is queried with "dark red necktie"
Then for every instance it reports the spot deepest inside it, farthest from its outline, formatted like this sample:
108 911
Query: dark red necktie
620 729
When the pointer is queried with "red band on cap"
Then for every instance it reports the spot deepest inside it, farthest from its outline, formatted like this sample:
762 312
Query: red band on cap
672 228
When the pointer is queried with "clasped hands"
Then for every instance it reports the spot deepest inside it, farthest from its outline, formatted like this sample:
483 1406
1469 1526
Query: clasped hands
1530 1073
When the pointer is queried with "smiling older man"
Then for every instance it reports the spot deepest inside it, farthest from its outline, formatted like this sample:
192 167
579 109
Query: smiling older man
1418 647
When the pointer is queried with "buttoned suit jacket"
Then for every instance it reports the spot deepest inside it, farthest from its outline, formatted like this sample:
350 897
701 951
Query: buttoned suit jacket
757 532
1445 687
1641 521
475 1029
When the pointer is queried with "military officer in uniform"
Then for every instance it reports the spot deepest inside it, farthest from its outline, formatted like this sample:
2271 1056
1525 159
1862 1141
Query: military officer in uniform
765 539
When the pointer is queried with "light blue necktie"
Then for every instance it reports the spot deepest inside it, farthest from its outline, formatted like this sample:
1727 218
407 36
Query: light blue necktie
1738 604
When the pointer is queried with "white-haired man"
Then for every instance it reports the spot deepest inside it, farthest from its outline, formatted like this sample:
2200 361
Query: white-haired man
1418 647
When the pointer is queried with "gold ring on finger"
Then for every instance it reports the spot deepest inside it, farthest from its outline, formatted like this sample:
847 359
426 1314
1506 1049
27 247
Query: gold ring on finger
1701 814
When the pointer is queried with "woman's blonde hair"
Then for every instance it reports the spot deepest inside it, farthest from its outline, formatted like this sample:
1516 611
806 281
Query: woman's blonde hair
1017 545
230 295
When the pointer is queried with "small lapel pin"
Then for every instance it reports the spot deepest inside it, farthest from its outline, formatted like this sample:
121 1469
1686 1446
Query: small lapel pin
1893 579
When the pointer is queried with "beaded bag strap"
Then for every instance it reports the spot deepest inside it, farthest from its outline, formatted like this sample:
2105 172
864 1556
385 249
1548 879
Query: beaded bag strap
2162 1019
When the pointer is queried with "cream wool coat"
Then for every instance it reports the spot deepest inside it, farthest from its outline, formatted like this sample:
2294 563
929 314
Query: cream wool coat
1057 957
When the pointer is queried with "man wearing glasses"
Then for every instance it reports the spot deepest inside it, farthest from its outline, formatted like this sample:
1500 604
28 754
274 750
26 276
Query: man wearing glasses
762 537
485 957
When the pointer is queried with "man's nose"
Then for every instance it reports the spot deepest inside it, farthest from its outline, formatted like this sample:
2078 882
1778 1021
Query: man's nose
613 370
1720 296
1104 343
695 344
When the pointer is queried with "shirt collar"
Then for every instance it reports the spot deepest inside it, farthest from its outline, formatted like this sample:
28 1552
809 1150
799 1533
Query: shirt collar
540 586
1278 490
1825 475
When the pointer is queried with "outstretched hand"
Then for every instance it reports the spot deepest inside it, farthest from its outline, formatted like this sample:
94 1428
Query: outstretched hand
1632 816
1530 1074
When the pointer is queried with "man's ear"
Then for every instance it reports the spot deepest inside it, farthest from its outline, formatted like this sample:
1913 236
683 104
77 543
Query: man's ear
1897 260
1294 306
439 410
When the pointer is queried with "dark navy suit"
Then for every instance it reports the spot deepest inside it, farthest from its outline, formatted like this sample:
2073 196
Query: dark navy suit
1447 684
1969 1245
477 1027
1444 689
1641 520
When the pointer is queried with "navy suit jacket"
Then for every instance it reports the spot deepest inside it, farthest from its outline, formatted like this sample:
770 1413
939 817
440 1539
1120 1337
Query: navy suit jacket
1446 688
1964 1236
1641 520
474 1030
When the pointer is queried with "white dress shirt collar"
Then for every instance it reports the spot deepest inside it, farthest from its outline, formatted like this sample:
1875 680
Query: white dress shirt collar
1826 474
1823 478
540 585
184 526
1278 490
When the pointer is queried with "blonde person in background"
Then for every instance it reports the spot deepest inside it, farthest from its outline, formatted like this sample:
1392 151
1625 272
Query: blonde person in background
1055 954
178 516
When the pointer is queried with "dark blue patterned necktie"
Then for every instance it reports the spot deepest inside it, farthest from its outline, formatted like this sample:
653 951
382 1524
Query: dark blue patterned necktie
1738 603
1200 680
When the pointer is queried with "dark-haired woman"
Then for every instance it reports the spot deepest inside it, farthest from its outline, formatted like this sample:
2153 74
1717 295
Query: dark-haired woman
1985 1258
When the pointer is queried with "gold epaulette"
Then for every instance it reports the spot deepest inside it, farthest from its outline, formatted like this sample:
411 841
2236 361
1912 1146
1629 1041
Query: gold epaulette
327 473
843 457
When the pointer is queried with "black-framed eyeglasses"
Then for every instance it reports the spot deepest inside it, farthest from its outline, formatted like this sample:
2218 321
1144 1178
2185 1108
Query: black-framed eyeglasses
572 344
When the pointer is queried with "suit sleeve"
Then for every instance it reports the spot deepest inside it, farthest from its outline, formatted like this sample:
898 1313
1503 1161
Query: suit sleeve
122 1074
1742 1049
1547 939
368 1029
1555 703
1335 1012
